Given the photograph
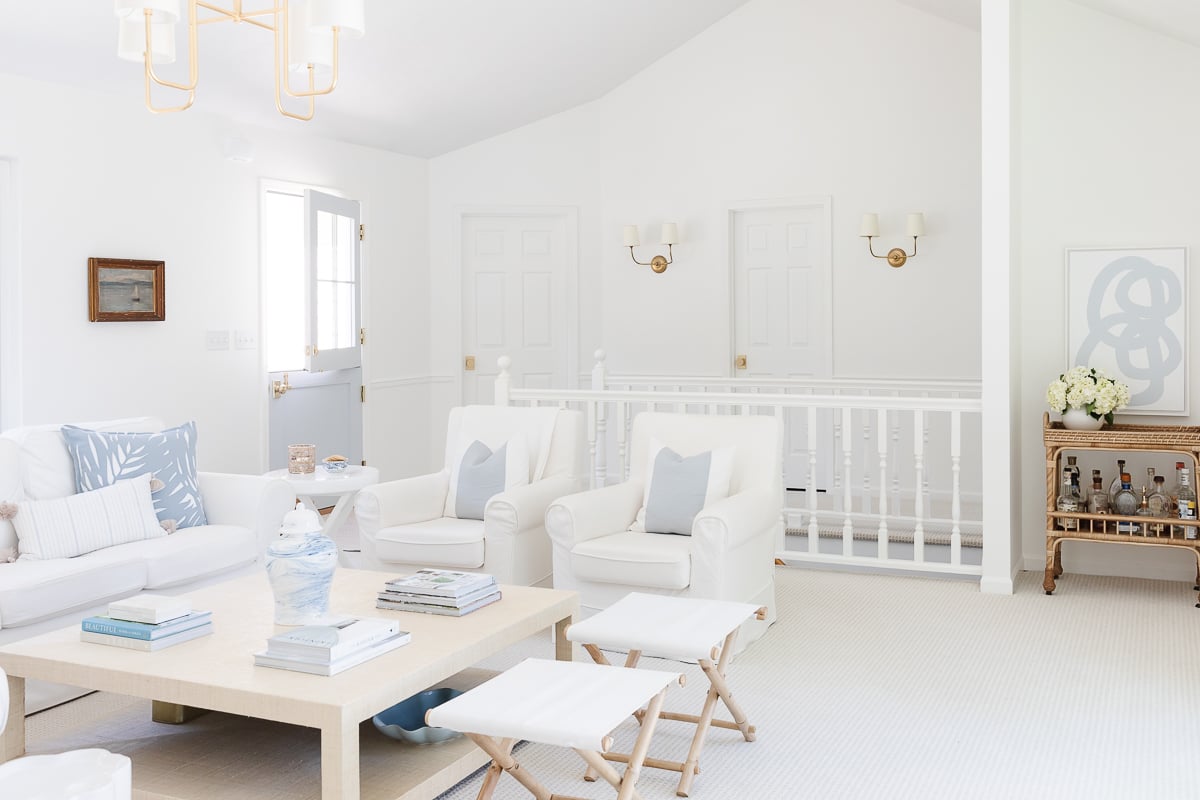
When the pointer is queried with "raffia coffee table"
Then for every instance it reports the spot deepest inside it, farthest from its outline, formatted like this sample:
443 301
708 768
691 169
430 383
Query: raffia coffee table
248 757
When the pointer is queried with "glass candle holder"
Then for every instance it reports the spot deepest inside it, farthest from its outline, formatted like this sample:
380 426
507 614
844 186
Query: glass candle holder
302 459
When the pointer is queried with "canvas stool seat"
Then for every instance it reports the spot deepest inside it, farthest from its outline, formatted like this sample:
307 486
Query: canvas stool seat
562 703
686 628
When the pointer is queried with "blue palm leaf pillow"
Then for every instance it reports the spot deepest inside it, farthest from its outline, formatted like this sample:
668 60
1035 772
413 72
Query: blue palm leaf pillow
103 458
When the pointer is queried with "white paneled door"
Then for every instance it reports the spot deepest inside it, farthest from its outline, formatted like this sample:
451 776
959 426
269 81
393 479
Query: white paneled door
781 260
514 274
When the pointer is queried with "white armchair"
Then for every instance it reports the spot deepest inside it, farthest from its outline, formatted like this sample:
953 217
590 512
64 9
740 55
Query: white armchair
402 525
730 553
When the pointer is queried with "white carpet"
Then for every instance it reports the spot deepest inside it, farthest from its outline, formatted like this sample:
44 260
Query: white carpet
876 686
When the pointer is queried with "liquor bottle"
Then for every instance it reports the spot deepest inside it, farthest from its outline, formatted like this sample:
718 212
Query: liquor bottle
1115 486
1150 477
1068 500
1098 499
1174 491
1071 465
1187 502
1125 504
1160 503
1144 511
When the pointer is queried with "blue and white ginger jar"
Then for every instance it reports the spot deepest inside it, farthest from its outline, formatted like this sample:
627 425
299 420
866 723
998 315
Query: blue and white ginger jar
300 565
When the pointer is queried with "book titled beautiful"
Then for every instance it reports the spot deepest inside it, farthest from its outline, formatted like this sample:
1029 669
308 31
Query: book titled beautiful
146 644
145 630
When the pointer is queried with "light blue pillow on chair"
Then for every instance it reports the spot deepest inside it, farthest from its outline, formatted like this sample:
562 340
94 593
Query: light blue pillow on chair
102 458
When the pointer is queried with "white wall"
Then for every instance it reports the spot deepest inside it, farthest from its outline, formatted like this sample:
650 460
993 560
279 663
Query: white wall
100 176
872 103
1109 160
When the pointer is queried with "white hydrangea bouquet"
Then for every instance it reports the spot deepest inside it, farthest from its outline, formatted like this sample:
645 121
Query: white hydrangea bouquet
1089 390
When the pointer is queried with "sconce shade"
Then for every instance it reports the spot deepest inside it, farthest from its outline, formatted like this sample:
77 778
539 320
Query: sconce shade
631 236
348 15
916 224
670 233
870 225
164 10
131 41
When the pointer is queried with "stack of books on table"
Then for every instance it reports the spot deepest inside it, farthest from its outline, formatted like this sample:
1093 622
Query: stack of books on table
147 622
439 591
329 649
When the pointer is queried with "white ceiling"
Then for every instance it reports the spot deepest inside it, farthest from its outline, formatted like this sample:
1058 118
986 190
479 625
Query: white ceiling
431 76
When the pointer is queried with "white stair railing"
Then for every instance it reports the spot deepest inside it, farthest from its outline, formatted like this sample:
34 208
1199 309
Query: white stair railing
872 500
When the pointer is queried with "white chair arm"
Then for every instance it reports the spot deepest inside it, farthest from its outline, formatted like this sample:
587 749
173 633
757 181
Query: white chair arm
579 517
523 507
401 502
251 501
736 519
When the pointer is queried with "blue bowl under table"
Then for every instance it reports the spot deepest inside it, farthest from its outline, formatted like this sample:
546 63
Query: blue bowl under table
406 720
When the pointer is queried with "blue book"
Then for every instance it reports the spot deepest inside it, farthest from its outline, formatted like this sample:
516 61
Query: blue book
145 630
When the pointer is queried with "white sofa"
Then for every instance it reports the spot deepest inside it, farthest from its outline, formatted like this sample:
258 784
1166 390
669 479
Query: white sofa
243 512
402 525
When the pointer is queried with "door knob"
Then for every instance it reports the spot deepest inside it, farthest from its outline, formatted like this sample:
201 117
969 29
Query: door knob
469 363
739 362
280 388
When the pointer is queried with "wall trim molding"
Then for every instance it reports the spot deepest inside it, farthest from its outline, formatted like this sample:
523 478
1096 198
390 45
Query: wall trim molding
409 380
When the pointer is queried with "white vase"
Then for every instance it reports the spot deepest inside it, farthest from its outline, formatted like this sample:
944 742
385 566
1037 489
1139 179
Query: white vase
1076 419
300 566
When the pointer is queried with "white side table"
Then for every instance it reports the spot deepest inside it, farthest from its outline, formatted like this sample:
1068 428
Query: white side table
322 483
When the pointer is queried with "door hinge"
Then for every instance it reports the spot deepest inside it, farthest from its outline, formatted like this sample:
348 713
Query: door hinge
362 394
362 232
362 335
311 350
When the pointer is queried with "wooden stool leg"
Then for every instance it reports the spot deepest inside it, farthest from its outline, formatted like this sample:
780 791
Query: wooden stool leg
631 661
492 777
502 758
629 779
597 763
691 764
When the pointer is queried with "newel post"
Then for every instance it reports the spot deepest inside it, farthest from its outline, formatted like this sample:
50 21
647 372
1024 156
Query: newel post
503 381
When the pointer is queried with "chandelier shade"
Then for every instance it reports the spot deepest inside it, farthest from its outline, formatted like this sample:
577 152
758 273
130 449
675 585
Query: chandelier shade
305 36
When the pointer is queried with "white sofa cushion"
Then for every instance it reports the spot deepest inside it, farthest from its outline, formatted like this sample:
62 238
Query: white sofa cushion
635 559
33 590
64 527
444 542
193 553
46 466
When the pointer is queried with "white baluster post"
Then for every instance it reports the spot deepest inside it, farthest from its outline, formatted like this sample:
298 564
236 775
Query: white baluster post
919 486
881 431
955 502
814 530
503 382
847 497
600 447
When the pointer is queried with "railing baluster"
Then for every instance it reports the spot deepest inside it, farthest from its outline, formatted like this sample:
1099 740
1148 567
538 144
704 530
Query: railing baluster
814 530
591 437
866 448
882 431
955 501
622 438
896 424
918 492
847 497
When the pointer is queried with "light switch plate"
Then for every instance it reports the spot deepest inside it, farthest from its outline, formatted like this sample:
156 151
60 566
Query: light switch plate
245 340
216 340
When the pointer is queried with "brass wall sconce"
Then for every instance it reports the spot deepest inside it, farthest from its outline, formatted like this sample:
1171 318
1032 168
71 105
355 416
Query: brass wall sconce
896 257
670 236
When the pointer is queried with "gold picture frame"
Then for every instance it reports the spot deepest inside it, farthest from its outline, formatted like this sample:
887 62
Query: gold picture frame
126 290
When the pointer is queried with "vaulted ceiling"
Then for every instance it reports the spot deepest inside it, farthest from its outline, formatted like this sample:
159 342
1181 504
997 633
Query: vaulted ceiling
431 76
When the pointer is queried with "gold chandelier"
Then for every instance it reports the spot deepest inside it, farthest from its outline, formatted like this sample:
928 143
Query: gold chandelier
306 35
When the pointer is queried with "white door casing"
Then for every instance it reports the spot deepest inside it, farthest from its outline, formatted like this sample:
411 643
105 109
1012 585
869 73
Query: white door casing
781 265
517 273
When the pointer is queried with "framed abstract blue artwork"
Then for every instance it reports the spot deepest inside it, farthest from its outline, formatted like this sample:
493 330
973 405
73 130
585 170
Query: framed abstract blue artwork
1127 315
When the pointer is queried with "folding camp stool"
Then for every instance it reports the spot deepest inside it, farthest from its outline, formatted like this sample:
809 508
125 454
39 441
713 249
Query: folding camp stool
684 628
564 703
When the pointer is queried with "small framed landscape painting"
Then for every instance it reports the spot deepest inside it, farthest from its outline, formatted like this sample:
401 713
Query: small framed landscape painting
125 290
1127 314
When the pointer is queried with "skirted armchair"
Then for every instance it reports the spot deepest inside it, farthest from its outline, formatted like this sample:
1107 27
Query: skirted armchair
601 547
485 510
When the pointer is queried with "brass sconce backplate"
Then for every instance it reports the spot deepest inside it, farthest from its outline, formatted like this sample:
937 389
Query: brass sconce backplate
659 264
897 257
